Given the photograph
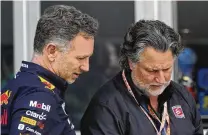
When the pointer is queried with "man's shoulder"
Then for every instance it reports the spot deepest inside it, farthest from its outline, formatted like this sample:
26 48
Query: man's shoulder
178 88
24 84
22 79
182 93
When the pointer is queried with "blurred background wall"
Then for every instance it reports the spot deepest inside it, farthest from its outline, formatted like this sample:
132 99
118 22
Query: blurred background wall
189 18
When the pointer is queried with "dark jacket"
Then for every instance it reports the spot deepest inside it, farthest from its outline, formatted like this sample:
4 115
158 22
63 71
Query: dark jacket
32 103
113 111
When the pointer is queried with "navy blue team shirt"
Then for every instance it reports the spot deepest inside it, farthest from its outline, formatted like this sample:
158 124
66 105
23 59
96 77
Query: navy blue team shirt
32 103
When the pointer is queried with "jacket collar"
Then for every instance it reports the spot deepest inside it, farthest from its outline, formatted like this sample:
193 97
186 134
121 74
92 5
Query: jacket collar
38 70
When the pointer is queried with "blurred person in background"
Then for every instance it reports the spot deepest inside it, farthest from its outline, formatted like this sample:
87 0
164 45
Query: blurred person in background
32 102
186 62
142 99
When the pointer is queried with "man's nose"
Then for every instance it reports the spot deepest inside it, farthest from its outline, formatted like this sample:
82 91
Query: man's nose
85 66
160 78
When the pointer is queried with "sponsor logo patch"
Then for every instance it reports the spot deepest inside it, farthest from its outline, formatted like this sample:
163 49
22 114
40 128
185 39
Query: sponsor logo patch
28 120
21 126
70 123
63 107
24 65
40 105
72 126
178 112
33 131
40 125
24 134
5 97
48 85
4 117
36 115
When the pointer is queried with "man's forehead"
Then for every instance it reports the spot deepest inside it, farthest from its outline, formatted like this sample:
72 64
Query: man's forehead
81 42
151 58
83 48
152 55
153 64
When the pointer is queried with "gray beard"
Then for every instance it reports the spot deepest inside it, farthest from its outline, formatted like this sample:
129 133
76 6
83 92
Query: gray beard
147 91
143 90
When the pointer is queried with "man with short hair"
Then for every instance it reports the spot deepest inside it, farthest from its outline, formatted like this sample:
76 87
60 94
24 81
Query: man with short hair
32 103
142 99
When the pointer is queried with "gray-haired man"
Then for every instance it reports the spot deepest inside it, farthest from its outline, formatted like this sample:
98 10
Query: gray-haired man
142 99
32 103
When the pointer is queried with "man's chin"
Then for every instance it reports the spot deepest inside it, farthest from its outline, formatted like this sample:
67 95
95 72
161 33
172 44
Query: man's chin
71 81
156 87
155 92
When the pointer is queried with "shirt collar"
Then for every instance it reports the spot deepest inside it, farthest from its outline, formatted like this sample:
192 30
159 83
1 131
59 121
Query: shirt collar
33 68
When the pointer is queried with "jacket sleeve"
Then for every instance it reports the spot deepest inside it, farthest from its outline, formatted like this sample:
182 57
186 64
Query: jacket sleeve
196 118
195 115
99 119
34 113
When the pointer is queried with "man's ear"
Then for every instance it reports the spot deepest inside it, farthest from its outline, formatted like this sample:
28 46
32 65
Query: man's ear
51 51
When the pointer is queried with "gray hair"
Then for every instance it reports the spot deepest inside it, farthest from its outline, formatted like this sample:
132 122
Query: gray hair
60 24
148 33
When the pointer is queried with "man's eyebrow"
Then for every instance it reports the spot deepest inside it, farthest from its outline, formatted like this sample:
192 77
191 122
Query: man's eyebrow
84 55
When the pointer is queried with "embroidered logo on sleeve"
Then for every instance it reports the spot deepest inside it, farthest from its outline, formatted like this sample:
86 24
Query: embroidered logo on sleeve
24 134
5 97
32 131
4 117
48 85
21 126
28 121
36 115
178 112
70 123
40 124
42 106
